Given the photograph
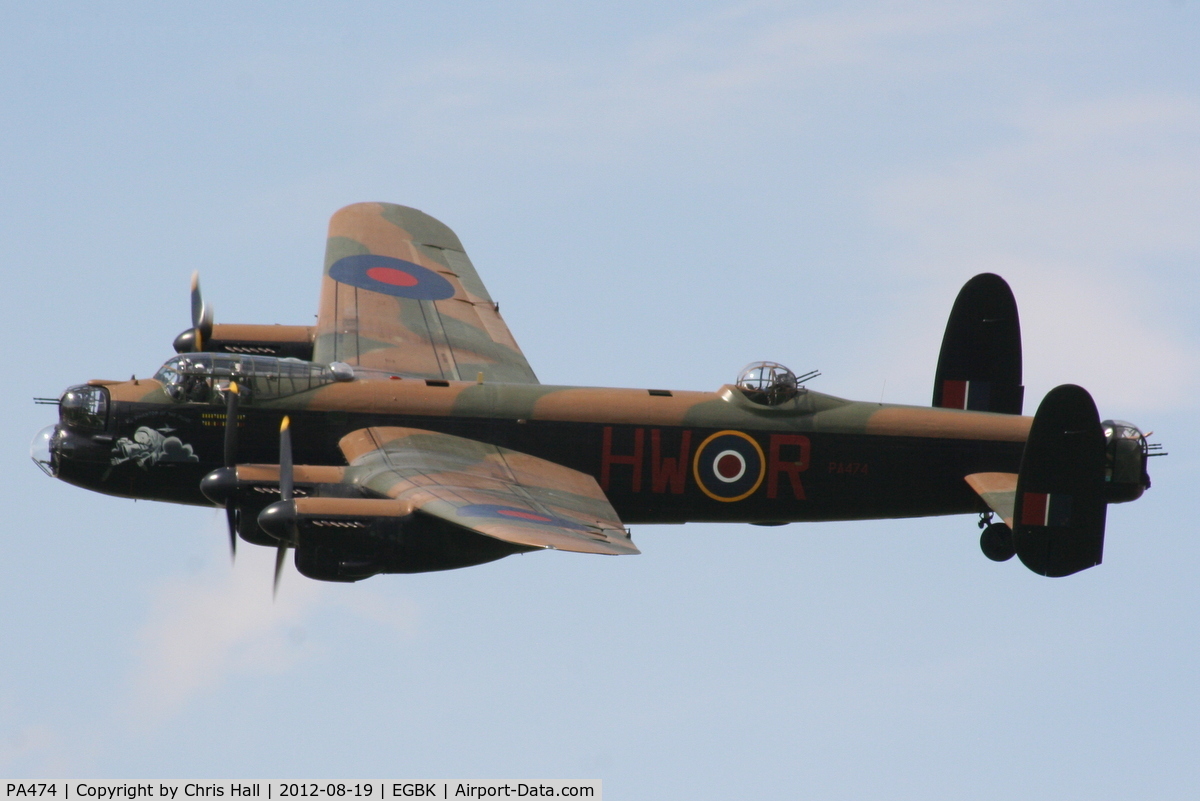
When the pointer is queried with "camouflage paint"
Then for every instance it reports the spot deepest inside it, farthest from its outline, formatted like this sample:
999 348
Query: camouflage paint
445 425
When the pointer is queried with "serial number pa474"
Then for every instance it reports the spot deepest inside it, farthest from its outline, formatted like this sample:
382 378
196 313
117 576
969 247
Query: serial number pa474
31 790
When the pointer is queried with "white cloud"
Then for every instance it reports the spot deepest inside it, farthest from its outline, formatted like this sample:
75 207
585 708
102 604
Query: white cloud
207 628
220 622
668 84
1079 210
1100 180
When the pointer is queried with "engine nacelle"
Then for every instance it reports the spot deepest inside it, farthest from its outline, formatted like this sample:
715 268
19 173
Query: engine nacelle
282 341
348 539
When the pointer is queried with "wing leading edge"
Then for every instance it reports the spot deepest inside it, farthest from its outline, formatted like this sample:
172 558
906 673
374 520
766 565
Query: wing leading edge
400 295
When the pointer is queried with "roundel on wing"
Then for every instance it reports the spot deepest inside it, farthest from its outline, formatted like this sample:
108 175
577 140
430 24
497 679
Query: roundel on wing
389 276
514 514
729 466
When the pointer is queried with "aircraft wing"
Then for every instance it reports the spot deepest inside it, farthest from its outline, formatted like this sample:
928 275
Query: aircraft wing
493 491
400 295
999 492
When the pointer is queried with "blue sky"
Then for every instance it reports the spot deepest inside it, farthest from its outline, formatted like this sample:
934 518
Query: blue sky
656 196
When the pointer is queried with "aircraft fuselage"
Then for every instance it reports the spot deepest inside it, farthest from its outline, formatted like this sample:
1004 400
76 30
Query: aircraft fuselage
660 456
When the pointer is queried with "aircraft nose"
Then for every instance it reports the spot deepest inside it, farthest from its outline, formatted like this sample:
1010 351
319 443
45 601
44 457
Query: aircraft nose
43 450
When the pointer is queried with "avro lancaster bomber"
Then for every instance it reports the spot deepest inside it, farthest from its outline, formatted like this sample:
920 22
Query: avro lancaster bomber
405 432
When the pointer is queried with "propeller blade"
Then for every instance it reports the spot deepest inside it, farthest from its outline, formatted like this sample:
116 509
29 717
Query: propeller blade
202 316
280 555
197 301
231 517
285 460
206 321
231 424
286 488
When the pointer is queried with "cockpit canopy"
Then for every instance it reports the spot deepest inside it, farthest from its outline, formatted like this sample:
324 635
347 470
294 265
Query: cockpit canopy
204 377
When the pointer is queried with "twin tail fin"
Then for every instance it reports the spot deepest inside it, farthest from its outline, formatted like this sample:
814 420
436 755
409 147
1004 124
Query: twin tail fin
979 367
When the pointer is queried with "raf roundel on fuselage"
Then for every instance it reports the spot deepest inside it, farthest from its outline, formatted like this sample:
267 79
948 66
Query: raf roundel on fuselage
391 276
729 466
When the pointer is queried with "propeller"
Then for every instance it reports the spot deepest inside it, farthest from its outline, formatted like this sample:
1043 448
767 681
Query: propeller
193 339
285 495
279 519
220 486
231 431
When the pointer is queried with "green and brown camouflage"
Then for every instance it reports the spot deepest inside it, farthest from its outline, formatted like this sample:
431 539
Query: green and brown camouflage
456 334
423 441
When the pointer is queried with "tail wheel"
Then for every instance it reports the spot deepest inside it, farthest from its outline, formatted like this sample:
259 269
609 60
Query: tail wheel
996 542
